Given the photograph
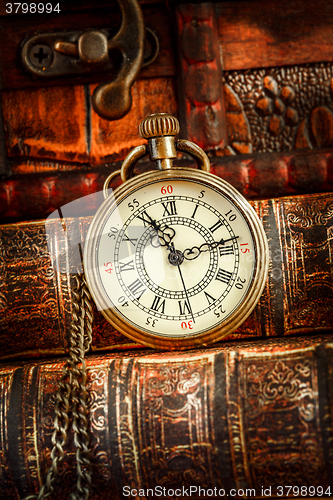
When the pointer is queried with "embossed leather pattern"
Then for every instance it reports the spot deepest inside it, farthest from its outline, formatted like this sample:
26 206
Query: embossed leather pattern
36 298
251 414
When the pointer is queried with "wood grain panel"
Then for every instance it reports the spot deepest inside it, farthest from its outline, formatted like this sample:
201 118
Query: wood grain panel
56 123
256 34
46 123
112 140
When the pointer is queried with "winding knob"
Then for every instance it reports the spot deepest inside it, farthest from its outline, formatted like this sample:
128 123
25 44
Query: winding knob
159 125
160 130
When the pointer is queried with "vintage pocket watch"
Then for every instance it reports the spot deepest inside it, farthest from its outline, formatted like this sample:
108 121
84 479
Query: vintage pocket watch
174 258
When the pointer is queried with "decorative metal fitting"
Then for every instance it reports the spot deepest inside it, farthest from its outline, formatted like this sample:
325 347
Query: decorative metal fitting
92 48
160 130
76 53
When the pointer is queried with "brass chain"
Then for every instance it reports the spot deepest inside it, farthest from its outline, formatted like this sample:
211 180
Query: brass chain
71 400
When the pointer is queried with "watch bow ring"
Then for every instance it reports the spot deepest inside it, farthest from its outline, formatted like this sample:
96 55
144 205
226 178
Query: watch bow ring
176 258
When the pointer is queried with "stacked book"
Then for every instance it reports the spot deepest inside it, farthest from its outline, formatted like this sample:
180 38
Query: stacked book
251 416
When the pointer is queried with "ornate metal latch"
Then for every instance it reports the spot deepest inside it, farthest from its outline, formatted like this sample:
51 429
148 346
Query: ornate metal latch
50 55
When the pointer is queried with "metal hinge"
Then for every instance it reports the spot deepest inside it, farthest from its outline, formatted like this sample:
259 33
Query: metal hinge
60 54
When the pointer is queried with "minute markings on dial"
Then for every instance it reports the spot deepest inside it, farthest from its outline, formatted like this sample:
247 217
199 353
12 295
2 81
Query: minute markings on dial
164 226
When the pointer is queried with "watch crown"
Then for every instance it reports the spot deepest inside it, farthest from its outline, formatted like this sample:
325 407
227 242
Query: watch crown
159 125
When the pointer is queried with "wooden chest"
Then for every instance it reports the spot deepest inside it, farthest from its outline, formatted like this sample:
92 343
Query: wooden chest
244 78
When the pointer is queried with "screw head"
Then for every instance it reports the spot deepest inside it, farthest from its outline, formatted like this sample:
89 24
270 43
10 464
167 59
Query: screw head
41 56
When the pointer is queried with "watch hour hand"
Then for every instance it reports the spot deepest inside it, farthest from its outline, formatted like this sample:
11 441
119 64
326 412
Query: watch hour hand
168 233
165 233
165 236
194 252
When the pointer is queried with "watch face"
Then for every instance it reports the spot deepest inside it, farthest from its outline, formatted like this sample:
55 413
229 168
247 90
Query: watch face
177 259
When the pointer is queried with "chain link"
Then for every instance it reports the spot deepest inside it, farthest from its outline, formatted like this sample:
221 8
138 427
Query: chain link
71 400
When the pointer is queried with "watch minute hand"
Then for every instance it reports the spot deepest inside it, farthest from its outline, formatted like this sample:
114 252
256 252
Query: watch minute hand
177 260
194 252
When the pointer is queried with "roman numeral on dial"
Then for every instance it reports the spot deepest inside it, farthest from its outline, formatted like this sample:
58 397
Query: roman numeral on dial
158 304
137 289
126 266
209 298
146 219
216 226
132 240
223 276
226 250
169 208
184 307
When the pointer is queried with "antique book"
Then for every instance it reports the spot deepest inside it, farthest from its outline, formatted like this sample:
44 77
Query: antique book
255 176
38 261
246 419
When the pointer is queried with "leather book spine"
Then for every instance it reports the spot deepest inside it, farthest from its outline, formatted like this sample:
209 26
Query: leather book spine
255 176
36 267
242 416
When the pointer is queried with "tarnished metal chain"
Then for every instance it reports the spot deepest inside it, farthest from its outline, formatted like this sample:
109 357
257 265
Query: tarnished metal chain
71 400
78 347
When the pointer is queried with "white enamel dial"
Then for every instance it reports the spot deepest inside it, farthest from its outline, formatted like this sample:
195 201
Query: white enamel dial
174 259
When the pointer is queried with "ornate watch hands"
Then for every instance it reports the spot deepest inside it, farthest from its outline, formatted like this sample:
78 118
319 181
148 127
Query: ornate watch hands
194 252
165 233
165 236
161 235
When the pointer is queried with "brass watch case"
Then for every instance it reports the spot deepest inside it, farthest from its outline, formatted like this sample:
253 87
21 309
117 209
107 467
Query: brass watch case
217 332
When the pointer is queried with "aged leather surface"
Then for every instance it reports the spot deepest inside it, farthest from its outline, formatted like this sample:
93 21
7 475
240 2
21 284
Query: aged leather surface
35 297
255 176
239 415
